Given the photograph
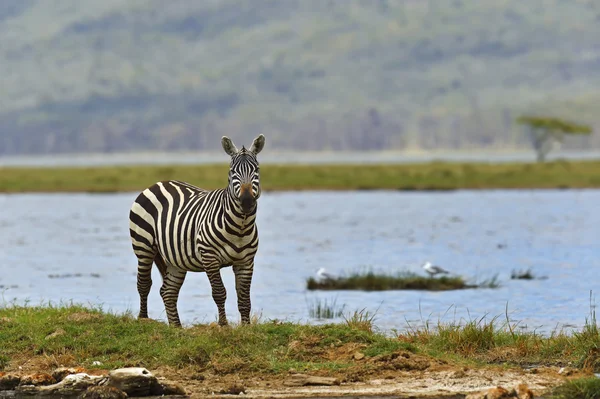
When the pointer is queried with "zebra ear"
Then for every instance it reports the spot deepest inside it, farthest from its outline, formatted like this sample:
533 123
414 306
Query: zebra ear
228 146
257 144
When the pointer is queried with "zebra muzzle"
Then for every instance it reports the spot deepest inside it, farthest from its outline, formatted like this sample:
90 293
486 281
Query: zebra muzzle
247 198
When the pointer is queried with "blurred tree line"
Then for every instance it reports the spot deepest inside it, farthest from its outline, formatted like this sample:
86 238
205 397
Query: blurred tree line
312 75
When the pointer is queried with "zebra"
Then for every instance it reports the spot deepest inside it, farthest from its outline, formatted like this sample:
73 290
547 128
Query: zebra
181 228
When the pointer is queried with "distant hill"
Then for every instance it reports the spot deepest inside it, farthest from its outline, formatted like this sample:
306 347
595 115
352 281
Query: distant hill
133 75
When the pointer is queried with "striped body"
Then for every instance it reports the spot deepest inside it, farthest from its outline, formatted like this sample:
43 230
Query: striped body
182 228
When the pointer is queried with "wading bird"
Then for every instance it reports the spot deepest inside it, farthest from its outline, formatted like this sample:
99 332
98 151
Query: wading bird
323 275
433 270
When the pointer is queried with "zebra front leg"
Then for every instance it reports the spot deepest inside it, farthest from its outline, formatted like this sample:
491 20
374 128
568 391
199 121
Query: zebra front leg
218 292
243 279
172 280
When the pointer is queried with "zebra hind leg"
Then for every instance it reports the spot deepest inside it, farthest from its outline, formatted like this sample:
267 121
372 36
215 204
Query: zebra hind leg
172 281
144 283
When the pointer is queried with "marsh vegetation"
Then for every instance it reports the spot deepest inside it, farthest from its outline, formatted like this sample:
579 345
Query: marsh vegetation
373 281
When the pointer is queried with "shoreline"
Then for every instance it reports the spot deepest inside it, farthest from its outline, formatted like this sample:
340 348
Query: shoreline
265 358
432 176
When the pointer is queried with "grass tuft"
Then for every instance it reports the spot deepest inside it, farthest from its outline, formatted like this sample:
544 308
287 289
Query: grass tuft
361 320
496 341
581 388
522 275
322 309
492 282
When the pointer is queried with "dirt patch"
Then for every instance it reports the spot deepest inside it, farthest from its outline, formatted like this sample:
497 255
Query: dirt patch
401 374
443 382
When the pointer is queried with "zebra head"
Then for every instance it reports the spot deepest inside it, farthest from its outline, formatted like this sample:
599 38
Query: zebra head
244 179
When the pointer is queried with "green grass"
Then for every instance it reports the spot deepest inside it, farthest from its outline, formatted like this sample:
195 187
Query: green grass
581 388
81 335
76 335
371 281
494 340
427 176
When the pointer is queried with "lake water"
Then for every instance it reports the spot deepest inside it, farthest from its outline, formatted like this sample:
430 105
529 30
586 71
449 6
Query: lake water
63 247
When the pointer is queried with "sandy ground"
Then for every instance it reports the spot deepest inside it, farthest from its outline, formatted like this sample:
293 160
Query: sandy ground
401 374
435 382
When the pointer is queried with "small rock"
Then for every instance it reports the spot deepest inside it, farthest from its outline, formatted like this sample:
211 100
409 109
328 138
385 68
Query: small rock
166 388
103 392
55 334
96 363
135 381
523 391
358 356
497 393
492 393
566 371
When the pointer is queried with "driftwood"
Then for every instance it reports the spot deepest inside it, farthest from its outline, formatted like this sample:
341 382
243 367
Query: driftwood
118 384
70 387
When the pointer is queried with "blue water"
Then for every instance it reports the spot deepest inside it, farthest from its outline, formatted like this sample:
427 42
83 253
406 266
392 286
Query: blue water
75 247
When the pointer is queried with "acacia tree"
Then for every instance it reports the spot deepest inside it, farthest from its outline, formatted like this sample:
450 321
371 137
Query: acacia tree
544 132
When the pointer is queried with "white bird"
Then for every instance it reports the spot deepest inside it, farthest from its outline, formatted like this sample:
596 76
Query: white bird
323 275
433 270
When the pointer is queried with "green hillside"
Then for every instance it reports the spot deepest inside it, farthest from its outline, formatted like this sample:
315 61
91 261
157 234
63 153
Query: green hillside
121 75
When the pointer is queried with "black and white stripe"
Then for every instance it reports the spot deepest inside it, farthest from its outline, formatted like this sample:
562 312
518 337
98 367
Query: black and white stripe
184 228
